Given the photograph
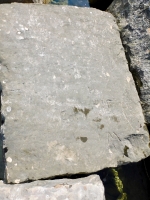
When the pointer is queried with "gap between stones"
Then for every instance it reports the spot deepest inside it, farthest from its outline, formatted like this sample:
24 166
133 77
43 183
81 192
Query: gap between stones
101 5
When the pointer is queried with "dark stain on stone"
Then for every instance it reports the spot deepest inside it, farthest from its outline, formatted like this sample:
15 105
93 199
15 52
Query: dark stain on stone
97 120
85 111
126 151
75 110
83 139
101 126
26 151
115 118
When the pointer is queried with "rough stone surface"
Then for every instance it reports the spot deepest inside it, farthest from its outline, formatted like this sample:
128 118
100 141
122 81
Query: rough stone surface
69 100
133 18
64 189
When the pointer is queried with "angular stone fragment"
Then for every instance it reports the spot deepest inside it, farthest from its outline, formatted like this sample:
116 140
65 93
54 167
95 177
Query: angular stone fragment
133 18
69 101
77 189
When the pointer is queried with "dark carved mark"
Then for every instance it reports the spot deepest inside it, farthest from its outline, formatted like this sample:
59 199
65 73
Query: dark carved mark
83 139
85 111
126 151
115 118
97 120
102 126
75 110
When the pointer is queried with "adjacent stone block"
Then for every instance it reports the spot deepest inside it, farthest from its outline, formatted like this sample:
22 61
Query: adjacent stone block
69 100
133 18
78 189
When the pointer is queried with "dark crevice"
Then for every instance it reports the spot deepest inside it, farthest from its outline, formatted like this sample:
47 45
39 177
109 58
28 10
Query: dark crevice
101 5
147 166
126 175
2 119
63 176
148 127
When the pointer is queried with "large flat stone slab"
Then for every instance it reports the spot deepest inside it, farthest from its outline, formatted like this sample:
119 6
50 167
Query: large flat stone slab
78 189
69 100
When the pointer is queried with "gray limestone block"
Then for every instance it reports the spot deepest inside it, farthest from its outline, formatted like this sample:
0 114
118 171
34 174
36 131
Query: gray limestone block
133 18
64 189
69 100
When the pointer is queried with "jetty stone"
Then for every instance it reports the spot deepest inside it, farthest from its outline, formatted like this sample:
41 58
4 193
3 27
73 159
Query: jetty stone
84 188
133 18
69 100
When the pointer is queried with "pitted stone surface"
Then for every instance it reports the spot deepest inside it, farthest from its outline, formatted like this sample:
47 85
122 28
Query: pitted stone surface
69 101
78 189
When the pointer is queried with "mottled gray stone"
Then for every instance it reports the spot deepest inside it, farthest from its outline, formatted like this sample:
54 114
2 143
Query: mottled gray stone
133 18
64 189
69 100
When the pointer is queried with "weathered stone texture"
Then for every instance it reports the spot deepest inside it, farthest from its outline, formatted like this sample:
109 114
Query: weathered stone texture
133 18
65 189
69 100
